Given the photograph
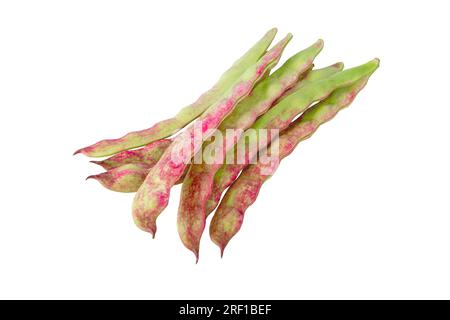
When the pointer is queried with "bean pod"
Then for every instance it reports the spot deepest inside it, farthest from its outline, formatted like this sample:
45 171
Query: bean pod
170 126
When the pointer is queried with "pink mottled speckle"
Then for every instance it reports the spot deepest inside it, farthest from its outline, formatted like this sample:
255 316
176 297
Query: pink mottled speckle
163 199
350 97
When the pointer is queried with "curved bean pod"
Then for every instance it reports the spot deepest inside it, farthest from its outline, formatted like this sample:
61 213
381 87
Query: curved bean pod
229 216
281 115
170 126
153 195
149 155
126 178
198 182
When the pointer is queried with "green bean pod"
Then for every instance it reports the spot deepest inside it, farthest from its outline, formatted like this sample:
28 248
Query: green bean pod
126 178
171 126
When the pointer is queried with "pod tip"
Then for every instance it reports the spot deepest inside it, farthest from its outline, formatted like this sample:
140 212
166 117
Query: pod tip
339 65
271 34
196 252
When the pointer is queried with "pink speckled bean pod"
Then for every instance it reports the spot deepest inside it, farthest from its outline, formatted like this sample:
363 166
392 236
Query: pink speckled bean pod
153 196
148 155
281 115
198 182
126 178
170 126
229 216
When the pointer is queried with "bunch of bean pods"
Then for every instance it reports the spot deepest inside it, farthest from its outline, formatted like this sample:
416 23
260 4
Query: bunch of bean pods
295 99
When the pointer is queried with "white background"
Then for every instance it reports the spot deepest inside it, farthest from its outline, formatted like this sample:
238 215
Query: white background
360 210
